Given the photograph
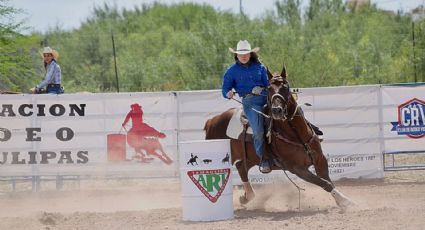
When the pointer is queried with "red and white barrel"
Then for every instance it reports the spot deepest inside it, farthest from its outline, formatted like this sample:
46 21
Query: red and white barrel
206 180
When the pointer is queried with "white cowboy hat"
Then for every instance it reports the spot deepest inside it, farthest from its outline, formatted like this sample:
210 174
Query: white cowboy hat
243 47
48 50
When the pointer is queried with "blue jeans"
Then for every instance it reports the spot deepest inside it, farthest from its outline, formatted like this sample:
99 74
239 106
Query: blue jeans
54 89
256 120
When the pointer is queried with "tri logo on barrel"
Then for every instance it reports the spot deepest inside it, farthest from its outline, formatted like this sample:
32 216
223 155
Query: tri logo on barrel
411 118
210 182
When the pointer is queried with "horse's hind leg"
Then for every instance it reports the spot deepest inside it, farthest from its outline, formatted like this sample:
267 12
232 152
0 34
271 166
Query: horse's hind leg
141 155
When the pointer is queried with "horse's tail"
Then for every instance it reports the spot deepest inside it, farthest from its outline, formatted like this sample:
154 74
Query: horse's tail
207 124
215 128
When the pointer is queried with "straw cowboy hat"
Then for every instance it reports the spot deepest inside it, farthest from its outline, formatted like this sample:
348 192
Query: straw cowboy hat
243 47
48 50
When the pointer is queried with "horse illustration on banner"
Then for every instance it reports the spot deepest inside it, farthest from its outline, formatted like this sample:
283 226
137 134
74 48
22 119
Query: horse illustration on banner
143 138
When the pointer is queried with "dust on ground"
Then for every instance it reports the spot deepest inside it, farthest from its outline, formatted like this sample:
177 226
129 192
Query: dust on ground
396 202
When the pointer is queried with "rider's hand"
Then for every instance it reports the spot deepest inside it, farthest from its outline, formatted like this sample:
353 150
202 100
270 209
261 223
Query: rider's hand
257 90
230 94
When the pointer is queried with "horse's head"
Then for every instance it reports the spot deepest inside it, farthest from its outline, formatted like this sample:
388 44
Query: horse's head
279 95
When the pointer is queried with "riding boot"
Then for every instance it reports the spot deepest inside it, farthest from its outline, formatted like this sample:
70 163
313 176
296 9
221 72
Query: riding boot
273 160
265 165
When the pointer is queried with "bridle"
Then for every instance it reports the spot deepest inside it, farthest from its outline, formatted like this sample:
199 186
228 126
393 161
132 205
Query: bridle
278 103
283 110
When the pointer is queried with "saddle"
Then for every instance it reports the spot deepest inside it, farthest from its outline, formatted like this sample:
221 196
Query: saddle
236 126
240 129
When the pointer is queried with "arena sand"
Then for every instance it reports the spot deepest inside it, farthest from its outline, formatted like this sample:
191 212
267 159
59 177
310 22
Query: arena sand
396 202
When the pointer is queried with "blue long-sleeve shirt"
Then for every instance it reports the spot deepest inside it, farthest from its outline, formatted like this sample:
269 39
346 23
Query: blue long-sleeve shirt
53 75
244 78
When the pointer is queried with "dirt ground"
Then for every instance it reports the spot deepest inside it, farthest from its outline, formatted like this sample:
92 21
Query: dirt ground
396 202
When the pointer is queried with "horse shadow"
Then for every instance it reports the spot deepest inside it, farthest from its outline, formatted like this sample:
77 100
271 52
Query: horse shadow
244 213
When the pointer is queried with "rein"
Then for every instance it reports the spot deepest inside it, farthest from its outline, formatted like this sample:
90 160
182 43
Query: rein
259 112
300 142
293 114
305 145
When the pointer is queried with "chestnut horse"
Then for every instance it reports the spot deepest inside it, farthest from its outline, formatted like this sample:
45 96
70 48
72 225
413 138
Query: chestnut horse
293 145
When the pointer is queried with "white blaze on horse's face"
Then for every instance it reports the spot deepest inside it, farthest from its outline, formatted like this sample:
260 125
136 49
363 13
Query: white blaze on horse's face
279 94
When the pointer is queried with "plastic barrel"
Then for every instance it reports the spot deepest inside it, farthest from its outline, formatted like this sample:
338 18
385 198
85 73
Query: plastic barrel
206 180
116 147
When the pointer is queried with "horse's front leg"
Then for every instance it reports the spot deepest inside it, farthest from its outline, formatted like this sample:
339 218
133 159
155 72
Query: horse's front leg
249 193
341 200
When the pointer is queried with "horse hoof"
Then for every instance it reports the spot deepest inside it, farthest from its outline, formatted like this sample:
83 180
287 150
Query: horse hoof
244 199
346 204
341 200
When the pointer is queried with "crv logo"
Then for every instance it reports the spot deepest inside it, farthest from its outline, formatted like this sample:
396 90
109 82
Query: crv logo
411 119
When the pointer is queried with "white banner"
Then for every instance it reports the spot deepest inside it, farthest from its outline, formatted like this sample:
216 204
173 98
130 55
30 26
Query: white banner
404 117
349 117
83 133
75 134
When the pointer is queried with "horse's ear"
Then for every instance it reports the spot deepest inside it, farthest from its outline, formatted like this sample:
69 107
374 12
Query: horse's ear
283 73
270 75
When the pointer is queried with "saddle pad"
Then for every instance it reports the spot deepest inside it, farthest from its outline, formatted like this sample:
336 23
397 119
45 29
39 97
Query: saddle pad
235 127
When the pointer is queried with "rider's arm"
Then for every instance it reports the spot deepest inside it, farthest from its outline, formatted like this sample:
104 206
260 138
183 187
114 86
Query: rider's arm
49 76
264 77
126 119
227 84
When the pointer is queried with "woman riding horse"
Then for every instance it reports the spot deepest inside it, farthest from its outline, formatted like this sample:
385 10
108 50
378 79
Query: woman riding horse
249 78
295 146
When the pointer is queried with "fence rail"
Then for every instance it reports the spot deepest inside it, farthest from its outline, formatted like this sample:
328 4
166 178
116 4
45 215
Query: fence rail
398 161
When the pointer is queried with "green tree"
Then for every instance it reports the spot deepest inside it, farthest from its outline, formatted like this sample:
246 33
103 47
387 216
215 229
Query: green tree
8 27
185 47
17 69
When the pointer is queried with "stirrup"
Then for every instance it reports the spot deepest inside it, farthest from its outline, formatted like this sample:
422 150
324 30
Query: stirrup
264 166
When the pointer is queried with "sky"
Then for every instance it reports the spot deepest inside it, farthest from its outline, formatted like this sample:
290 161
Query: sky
40 15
